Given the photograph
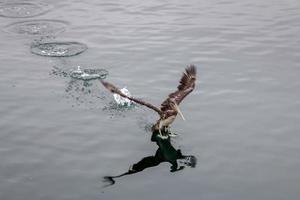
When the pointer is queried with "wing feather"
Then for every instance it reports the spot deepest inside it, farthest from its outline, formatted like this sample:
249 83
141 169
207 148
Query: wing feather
186 86
116 90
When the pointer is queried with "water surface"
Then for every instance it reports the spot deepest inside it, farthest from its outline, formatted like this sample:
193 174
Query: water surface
59 136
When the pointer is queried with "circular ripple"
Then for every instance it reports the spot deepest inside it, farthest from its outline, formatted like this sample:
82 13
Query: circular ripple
37 27
89 74
22 10
58 49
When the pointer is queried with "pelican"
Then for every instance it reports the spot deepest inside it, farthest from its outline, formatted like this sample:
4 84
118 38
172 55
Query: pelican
169 108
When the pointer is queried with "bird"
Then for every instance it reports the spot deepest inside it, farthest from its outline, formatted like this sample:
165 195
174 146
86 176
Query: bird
169 107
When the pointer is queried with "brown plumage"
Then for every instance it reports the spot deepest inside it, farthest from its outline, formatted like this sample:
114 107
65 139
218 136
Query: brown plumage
169 108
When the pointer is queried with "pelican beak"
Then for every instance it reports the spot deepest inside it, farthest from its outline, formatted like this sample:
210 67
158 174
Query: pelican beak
178 110
159 128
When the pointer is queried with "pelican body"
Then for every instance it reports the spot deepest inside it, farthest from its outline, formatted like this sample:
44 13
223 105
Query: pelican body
169 108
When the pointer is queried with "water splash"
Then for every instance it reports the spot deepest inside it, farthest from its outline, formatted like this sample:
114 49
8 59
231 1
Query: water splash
81 92
88 74
121 100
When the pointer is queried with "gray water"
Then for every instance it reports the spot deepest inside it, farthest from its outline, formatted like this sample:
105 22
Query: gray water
59 136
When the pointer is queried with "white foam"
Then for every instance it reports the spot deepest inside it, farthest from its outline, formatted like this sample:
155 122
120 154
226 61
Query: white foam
121 100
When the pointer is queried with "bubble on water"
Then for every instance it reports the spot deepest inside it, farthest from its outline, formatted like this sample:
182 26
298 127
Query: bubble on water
37 27
23 9
58 49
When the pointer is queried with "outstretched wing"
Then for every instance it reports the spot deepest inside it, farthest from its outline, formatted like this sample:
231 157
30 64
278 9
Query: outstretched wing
186 86
116 90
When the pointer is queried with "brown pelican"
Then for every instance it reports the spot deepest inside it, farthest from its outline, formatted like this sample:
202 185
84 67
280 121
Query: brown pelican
169 108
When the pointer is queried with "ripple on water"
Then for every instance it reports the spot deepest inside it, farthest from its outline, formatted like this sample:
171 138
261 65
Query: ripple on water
89 74
37 27
58 49
23 10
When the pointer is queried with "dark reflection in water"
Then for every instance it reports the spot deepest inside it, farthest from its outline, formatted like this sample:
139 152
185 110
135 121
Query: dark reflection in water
165 153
